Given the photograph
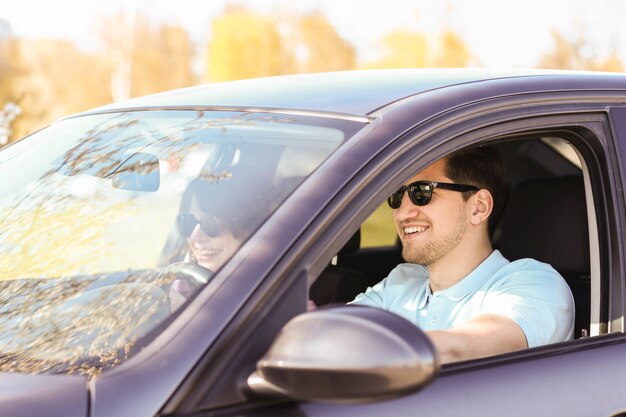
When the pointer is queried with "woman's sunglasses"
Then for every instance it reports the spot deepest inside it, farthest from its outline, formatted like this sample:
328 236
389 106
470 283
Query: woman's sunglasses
420 192
187 223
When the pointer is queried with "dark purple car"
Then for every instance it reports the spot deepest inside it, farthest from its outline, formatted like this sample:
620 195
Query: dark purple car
109 307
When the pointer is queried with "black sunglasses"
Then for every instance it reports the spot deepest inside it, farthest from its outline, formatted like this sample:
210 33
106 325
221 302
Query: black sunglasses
420 192
187 223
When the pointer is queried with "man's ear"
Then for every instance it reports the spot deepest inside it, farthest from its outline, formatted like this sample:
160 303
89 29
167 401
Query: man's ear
481 204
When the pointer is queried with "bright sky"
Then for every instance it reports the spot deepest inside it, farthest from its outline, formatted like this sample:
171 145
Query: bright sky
502 33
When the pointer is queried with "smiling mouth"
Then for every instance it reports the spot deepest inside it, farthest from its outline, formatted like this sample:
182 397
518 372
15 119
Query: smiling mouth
208 253
414 230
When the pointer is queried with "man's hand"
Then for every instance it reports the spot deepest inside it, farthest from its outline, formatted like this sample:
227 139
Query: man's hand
489 334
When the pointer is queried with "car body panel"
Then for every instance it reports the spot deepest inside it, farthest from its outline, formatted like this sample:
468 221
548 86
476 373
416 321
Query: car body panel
358 92
352 92
618 287
43 395
508 386
411 114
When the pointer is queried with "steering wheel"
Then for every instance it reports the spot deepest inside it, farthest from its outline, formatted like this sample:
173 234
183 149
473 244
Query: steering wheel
194 273
184 278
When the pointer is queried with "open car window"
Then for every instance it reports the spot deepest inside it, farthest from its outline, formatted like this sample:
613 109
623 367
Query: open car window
546 218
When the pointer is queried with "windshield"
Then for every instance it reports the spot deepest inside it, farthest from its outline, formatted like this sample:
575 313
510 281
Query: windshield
110 222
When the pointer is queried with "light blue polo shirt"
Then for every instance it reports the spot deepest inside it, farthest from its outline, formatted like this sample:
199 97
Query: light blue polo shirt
529 292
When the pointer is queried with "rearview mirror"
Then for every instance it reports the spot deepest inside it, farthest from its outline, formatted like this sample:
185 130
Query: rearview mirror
346 354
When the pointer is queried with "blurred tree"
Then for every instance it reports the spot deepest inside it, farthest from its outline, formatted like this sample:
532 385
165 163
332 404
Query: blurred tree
164 60
177 48
403 49
8 113
56 79
611 63
119 39
9 99
318 46
453 51
244 44
52 78
411 49
9 69
145 57
575 55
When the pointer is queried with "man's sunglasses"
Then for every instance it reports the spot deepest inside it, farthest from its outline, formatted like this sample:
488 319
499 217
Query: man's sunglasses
420 192
187 223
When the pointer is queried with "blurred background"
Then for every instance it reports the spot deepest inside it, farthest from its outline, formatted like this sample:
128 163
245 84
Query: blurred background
65 56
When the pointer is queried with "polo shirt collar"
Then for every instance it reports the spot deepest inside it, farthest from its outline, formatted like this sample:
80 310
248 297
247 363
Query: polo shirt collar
423 293
471 282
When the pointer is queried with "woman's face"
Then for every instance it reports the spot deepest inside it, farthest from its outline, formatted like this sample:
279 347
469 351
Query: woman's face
210 242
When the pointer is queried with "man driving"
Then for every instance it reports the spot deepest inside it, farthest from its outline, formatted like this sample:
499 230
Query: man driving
470 300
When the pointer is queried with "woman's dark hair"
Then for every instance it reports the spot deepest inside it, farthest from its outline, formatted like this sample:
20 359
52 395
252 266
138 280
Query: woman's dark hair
206 196
238 198
482 167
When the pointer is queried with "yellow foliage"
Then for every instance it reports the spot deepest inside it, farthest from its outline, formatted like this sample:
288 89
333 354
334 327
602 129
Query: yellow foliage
613 64
320 48
9 70
56 79
403 49
411 49
45 241
52 78
454 52
244 45
161 59
570 54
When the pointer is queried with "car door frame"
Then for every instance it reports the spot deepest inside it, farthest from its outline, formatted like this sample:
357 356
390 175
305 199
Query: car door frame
581 354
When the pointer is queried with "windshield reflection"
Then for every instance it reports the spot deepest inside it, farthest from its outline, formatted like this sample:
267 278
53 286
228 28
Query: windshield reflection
112 221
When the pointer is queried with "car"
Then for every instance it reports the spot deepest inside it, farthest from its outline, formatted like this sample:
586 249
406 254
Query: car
107 311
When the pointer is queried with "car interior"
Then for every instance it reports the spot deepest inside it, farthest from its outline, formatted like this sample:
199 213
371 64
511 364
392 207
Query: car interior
545 218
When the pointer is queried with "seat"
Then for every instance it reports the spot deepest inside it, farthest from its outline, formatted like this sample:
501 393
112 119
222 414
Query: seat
338 284
546 219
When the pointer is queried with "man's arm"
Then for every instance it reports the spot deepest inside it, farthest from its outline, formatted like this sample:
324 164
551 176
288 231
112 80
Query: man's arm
488 334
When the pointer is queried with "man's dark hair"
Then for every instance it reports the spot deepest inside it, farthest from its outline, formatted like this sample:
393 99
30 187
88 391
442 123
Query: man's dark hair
483 168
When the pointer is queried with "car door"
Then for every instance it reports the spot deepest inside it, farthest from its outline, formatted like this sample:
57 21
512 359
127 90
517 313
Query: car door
581 377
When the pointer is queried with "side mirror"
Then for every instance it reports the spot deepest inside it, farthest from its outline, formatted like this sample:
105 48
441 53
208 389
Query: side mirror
346 354
140 172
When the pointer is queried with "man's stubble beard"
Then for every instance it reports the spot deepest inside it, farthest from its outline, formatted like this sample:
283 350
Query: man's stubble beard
437 248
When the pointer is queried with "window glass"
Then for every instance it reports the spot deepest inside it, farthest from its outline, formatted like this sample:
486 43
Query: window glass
93 208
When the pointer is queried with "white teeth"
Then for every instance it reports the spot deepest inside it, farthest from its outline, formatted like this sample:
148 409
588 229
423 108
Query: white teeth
209 252
414 229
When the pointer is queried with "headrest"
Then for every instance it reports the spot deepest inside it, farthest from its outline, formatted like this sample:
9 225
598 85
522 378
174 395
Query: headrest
546 219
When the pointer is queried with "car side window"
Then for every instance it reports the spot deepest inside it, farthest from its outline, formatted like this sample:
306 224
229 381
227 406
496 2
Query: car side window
545 219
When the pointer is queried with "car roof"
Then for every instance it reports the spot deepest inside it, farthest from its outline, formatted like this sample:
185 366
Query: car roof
350 92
